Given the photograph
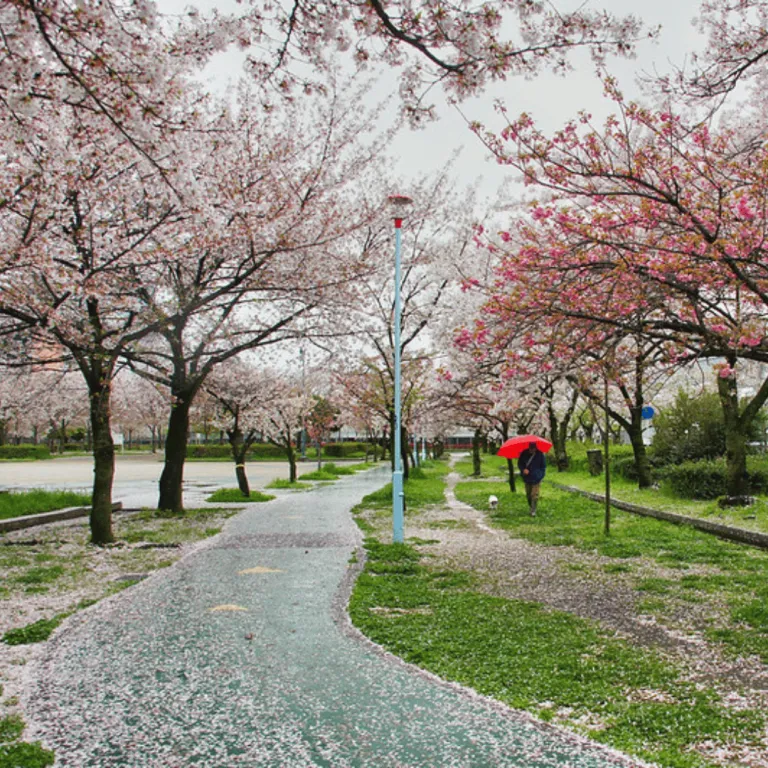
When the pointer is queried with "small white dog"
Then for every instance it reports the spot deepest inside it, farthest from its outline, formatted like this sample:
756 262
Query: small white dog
493 502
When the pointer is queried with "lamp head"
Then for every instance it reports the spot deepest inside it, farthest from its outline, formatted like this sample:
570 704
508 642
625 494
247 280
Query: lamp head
399 202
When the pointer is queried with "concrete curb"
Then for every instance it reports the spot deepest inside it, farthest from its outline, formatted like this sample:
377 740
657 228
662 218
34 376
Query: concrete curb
29 521
752 538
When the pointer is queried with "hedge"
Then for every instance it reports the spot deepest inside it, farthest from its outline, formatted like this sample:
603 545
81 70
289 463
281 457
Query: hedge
342 450
24 452
706 479
224 451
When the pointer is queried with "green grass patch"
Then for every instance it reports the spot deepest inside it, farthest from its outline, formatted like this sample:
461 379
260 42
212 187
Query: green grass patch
22 503
346 469
11 728
281 483
319 474
424 487
40 575
24 755
235 494
491 466
734 575
167 528
37 632
551 663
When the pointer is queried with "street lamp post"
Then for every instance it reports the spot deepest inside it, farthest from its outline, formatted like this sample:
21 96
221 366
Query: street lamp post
399 203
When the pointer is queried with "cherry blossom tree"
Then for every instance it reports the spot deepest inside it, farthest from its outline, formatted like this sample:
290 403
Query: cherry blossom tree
141 404
283 192
16 398
258 402
243 396
736 50
96 108
655 229
461 45
288 413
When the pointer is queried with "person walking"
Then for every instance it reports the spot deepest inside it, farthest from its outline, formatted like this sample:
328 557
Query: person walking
533 466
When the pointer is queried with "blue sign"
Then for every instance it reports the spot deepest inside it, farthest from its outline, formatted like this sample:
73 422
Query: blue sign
647 412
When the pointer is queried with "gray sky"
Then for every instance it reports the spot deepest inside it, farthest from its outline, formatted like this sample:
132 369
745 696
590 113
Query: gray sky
550 99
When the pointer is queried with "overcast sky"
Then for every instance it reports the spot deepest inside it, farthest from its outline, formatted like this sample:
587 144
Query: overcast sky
551 100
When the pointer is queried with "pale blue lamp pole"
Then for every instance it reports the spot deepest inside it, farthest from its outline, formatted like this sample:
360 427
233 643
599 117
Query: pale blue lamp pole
398 203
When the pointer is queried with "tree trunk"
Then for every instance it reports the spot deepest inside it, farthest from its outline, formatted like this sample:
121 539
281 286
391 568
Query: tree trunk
736 483
103 463
239 450
477 439
642 465
292 474
172 478
559 431
404 452
242 479
504 428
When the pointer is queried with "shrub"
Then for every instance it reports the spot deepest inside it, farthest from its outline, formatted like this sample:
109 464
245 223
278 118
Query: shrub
706 479
343 450
75 447
258 451
268 451
24 452
209 451
693 428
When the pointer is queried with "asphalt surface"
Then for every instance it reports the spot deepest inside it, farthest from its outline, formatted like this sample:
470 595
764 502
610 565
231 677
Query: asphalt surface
241 655
137 476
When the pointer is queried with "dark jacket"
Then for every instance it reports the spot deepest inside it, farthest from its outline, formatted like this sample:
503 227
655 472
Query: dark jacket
536 469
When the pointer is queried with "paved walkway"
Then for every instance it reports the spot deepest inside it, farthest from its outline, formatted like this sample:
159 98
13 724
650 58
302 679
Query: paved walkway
241 655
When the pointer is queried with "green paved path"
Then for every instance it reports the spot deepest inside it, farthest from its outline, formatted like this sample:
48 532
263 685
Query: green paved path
239 655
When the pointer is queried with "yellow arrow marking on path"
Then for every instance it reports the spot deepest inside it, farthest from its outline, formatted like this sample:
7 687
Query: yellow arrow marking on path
259 569
228 607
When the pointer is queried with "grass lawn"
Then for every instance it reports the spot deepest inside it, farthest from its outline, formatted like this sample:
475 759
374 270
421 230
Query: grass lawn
558 666
331 471
20 503
555 665
235 494
281 483
699 567
753 518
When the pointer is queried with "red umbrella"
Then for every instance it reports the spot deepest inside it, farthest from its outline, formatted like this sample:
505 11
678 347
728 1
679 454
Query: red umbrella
512 448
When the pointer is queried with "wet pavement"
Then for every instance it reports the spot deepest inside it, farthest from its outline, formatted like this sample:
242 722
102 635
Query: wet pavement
137 476
241 655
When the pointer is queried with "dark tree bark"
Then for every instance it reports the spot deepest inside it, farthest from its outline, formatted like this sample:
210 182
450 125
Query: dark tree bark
292 474
477 440
510 464
172 477
99 379
240 447
558 428
736 478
